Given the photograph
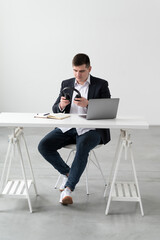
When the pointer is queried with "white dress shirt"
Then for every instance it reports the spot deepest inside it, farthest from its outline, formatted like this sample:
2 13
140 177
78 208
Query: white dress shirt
83 89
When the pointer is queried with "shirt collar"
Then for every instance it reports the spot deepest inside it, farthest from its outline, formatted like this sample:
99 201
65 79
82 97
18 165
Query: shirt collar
88 81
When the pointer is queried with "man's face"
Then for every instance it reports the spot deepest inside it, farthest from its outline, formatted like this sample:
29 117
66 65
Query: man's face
81 73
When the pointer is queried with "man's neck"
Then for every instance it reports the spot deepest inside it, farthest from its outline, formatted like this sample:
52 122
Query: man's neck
83 82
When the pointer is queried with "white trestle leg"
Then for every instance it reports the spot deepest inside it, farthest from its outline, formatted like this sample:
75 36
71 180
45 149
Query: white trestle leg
17 187
123 191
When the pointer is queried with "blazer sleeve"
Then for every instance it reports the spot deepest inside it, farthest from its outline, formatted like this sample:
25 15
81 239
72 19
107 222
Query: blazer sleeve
98 88
104 91
55 107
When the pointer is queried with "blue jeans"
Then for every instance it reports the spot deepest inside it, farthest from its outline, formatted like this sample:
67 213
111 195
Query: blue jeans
56 139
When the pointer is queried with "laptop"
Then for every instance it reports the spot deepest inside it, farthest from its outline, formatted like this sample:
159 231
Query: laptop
102 108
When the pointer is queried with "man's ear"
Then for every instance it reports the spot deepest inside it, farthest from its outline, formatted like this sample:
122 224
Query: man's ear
90 68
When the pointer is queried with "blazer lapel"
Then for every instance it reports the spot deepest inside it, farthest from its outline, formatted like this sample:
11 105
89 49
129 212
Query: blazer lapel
92 88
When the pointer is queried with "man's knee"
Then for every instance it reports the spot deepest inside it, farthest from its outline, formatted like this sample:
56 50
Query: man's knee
48 145
41 147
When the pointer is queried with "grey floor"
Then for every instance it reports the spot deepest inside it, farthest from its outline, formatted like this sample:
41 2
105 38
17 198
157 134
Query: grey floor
85 219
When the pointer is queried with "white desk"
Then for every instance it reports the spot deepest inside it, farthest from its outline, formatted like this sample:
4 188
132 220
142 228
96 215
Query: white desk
28 120
117 191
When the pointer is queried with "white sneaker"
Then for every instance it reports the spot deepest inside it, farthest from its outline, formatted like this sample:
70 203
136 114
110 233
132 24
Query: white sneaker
65 197
62 187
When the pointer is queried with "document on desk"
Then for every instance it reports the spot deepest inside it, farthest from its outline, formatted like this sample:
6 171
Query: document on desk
58 116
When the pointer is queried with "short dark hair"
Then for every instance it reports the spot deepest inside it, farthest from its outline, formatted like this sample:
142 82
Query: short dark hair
81 59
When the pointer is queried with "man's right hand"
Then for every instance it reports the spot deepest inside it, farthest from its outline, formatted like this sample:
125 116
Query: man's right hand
63 103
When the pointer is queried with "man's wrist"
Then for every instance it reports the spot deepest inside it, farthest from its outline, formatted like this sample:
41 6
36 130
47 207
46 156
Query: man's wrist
61 109
87 104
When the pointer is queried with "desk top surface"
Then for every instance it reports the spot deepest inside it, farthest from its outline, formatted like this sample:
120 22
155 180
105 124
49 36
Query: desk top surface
28 120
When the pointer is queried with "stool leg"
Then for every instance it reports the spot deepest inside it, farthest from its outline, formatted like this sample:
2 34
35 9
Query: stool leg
99 167
57 181
59 177
87 187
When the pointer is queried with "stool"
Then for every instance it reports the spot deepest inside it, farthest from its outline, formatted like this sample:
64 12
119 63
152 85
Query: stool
94 160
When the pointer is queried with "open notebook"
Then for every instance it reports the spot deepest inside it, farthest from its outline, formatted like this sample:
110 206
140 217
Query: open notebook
52 115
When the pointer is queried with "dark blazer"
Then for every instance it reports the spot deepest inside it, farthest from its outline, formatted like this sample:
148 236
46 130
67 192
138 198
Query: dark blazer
98 88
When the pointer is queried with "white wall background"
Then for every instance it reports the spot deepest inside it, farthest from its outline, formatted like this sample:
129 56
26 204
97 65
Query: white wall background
38 39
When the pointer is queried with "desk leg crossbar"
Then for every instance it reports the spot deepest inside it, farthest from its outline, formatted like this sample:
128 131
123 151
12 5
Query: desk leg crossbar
123 191
17 187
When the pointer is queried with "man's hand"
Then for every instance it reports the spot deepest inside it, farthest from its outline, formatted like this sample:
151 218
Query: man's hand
63 103
82 102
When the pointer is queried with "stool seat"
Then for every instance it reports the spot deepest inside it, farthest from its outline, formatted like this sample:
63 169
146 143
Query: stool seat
73 146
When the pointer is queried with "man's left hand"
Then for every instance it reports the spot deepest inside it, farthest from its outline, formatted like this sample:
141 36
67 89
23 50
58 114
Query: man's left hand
82 102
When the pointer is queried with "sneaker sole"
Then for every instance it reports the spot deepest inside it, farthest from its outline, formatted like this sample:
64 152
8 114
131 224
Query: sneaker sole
67 200
61 190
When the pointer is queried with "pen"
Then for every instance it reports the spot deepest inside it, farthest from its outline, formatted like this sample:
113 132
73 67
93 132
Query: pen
45 114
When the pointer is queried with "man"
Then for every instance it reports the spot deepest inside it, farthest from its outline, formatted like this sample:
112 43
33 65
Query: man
85 139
